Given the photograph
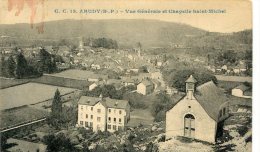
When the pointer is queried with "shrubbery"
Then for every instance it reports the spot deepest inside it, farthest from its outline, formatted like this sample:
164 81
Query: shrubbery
136 100
105 43
160 106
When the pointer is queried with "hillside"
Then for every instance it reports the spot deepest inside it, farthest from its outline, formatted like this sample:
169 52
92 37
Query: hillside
126 32
151 33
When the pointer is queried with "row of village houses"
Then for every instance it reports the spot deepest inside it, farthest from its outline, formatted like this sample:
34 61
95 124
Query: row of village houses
121 59
146 83
238 69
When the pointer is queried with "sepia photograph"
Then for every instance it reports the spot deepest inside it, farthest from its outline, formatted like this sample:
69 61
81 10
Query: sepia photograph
126 75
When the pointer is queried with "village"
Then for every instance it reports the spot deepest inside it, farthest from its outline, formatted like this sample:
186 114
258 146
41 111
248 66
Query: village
101 98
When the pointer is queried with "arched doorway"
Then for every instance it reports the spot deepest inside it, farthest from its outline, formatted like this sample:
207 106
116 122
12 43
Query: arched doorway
189 126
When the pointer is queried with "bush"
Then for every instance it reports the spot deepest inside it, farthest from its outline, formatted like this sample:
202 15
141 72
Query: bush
160 116
159 107
136 100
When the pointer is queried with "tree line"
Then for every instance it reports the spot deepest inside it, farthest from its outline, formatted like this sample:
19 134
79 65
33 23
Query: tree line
17 66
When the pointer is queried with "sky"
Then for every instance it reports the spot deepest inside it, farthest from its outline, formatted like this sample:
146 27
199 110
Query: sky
237 16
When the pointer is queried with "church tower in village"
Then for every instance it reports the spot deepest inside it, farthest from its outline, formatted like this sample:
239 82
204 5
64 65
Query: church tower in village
190 86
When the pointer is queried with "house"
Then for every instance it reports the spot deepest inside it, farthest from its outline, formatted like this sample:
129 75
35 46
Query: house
242 91
224 68
171 90
127 81
95 84
103 114
199 114
159 63
145 87
95 66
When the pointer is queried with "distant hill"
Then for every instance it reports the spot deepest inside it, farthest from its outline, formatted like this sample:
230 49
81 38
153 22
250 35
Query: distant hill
151 33
127 32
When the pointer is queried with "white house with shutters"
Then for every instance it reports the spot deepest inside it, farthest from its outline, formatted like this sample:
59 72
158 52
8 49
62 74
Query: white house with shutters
199 114
103 114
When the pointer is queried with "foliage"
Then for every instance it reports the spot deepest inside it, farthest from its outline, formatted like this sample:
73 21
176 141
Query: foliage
69 115
227 57
202 76
3 141
56 110
136 100
21 66
8 67
57 143
16 66
106 91
110 91
160 106
105 43
143 69
47 62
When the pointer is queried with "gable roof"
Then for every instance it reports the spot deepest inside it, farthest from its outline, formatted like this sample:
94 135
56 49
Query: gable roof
91 101
211 98
114 103
191 79
107 102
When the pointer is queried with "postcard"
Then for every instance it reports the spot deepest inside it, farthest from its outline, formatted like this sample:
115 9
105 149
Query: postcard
126 75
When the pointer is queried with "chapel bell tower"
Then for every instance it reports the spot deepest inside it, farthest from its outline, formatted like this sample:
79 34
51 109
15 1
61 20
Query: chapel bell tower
190 86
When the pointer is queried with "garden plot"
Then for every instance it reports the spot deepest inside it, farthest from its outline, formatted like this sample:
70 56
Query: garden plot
20 115
29 93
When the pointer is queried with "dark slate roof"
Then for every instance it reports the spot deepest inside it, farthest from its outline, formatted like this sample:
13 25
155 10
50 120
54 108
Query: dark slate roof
211 98
114 103
242 87
107 102
191 79
91 101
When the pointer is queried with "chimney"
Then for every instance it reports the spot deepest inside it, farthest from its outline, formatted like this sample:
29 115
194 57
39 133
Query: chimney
190 86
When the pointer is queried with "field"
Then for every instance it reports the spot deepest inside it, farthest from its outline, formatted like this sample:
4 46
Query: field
20 115
140 116
233 78
78 74
5 82
29 93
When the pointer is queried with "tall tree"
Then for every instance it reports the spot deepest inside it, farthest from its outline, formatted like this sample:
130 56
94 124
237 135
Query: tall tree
56 108
47 62
21 66
11 65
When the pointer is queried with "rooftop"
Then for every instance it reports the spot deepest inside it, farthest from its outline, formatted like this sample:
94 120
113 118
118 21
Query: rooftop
191 79
107 102
211 98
